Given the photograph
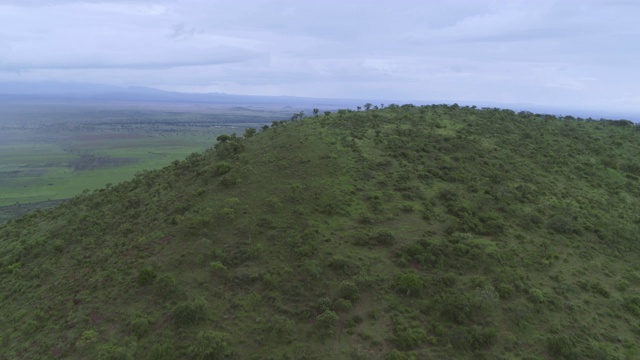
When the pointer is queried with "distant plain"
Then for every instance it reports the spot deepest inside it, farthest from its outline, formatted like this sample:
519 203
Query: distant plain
52 151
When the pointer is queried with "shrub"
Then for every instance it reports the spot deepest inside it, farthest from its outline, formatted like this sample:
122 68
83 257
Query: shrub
457 308
398 355
349 291
409 283
222 168
536 296
228 180
139 327
327 322
146 276
323 304
344 265
87 337
218 268
563 225
407 334
504 290
280 328
249 132
342 305
492 224
162 352
165 286
632 304
384 237
561 347
114 352
474 338
210 345
189 313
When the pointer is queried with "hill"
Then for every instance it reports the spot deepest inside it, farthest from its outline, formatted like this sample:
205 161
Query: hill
398 233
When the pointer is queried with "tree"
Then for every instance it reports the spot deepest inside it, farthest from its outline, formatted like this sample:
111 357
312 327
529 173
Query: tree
327 113
223 138
368 106
316 111
249 132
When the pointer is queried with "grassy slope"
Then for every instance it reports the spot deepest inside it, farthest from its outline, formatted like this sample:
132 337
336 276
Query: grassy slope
438 232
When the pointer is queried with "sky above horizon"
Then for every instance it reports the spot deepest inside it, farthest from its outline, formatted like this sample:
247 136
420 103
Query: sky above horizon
568 53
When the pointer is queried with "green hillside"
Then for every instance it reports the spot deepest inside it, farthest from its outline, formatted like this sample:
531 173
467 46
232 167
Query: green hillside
434 232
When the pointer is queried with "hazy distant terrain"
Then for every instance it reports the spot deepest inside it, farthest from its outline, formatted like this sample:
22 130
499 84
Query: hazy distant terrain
54 149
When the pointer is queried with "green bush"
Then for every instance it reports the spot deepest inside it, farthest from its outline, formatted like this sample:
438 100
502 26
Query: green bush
162 352
222 168
114 352
384 237
165 286
349 291
632 304
562 347
229 180
280 328
323 304
140 327
409 283
249 132
563 225
408 334
210 345
474 338
146 276
398 355
190 313
342 305
327 322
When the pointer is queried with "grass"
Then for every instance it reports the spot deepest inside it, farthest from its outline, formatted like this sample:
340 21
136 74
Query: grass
407 232
34 172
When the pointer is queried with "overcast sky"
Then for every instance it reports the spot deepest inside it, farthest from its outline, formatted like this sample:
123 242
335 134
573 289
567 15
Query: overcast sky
577 53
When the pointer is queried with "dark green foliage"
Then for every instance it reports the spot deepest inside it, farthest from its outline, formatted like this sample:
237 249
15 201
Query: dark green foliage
140 327
280 328
327 322
146 276
562 347
222 168
408 334
114 352
323 304
409 284
473 338
413 231
210 345
249 132
632 304
398 355
384 237
190 312
349 291
162 352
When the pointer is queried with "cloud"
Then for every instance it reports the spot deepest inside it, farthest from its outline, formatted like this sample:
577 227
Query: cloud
508 50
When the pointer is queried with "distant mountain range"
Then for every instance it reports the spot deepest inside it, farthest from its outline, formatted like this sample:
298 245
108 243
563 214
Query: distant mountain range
39 91
73 92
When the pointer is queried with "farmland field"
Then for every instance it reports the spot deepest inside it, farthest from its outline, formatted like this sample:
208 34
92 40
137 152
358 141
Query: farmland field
51 153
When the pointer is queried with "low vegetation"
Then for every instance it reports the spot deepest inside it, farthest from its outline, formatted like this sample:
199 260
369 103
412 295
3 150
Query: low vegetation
401 232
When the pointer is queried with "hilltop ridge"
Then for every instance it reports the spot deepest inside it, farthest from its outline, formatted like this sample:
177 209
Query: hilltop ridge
399 233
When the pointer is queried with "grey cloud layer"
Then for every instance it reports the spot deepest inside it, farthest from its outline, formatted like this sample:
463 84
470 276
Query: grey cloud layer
579 51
